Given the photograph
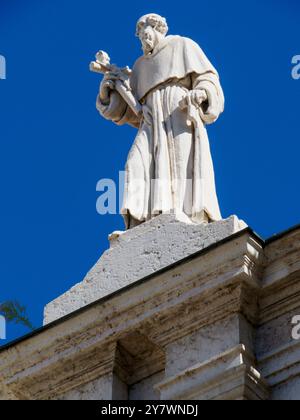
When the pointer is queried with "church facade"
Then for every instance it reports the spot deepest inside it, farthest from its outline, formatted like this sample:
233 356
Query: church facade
218 323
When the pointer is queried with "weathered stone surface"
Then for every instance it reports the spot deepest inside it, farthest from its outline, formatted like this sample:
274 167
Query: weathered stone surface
138 253
208 342
228 376
145 390
100 389
130 334
214 326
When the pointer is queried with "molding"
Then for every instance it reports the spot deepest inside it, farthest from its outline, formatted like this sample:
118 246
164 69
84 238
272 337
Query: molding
230 375
282 364
179 301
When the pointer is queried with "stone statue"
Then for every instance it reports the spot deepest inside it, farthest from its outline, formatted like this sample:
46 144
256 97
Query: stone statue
170 95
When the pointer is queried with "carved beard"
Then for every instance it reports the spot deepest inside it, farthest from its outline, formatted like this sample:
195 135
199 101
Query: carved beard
148 45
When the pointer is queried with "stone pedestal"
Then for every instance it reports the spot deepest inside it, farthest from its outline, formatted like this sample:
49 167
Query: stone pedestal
211 322
138 253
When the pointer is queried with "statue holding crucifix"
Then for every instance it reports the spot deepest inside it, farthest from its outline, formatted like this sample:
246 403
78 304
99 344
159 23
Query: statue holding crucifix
170 95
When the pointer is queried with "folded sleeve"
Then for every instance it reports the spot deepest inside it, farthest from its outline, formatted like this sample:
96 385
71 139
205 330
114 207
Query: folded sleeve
117 110
214 106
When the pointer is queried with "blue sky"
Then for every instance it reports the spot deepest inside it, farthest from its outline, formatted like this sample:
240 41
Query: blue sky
54 146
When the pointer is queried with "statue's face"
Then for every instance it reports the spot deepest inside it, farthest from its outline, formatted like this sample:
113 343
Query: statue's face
149 37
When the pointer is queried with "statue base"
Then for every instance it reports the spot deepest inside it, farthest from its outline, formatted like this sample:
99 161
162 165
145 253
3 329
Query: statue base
214 320
138 253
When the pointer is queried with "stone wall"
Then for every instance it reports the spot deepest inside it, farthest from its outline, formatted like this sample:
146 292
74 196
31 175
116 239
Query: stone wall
215 324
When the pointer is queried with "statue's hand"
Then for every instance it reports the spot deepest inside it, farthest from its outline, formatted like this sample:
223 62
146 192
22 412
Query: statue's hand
107 85
198 96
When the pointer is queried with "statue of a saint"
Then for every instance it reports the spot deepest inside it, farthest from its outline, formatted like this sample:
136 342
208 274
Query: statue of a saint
169 167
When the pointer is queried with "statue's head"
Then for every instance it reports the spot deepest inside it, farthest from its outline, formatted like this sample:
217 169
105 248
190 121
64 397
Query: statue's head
151 29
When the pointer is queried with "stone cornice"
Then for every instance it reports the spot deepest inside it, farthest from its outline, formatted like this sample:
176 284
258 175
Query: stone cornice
230 375
197 292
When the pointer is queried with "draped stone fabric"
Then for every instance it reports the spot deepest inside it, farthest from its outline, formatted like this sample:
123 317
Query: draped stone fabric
169 167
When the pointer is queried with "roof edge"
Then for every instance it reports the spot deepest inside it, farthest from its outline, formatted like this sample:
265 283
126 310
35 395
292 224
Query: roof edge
59 321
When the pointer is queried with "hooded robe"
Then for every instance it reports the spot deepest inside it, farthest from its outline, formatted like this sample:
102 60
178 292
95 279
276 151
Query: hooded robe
169 167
